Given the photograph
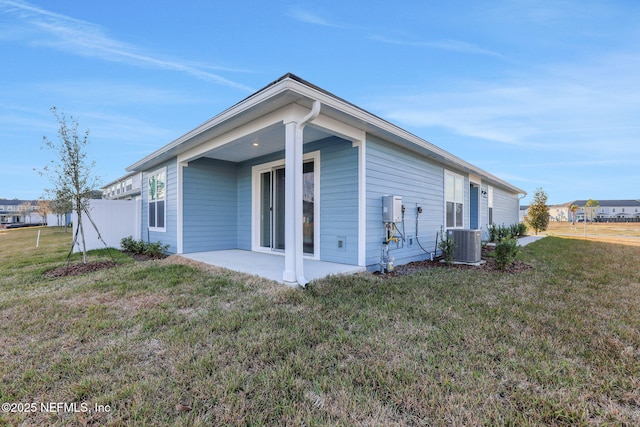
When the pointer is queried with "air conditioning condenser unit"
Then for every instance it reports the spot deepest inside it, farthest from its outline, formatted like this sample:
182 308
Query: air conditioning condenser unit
468 245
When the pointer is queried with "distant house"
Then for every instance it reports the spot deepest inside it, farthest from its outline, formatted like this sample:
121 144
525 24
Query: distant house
19 211
127 187
298 171
607 211
14 212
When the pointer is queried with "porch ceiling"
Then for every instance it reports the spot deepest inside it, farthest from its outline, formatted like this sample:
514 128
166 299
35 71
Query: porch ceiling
269 140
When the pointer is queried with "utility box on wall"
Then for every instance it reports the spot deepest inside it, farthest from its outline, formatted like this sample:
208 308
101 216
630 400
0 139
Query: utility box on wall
391 209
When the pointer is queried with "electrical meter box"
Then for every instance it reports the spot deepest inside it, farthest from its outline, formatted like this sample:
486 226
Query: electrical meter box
391 209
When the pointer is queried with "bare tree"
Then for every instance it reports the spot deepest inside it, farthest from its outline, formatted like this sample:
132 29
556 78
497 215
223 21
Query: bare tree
60 208
25 209
70 173
44 209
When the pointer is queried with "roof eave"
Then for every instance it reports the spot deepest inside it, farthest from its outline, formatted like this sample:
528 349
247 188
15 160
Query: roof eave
301 89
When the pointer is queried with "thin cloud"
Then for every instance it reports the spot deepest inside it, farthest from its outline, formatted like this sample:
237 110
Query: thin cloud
449 45
83 38
559 107
311 18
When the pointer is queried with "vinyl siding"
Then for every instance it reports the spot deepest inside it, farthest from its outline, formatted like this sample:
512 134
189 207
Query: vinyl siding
338 200
169 236
420 182
210 206
505 207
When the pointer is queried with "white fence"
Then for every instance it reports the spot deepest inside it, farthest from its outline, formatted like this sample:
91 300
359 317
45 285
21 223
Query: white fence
114 219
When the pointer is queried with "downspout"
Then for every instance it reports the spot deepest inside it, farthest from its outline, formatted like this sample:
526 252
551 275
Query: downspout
315 111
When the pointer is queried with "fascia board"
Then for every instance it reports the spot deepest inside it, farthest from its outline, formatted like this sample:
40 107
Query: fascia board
374 125
178 145
347 113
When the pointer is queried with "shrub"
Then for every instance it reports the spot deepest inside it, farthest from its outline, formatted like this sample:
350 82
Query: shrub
506 251
498 232
522 229
153 250
129 244
447 245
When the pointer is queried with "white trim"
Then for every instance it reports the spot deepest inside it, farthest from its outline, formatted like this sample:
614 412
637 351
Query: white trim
180 207
265 121
255 203
465 202
150 174
362 200
297 89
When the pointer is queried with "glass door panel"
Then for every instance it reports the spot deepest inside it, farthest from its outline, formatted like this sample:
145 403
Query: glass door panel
308 207
265 210
272 215
278 204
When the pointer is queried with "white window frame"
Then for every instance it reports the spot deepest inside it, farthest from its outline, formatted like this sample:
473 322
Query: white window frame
490 205
457 198
157 172
255 203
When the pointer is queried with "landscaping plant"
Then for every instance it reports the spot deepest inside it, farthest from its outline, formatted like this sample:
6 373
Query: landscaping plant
506 251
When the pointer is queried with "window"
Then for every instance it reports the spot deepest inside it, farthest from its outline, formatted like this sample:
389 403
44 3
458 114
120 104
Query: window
157 198
454 200
490 201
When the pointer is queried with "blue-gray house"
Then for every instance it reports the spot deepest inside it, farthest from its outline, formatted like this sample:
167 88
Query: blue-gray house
295 170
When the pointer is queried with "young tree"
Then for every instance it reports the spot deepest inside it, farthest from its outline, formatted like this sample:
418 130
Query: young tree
60 207
591 206
25 209
70 174
538 214
44 209
573 208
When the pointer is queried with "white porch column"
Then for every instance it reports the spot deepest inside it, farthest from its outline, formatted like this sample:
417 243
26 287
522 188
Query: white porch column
290 159
293 203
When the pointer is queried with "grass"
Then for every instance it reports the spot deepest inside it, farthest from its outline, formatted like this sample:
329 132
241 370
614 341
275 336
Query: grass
557 345
624 233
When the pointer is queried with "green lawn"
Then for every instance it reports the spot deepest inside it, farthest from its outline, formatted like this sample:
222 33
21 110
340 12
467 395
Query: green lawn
556 345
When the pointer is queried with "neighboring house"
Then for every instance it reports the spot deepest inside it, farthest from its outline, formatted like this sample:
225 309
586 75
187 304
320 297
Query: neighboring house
127 187
293 169
16 212
560 212
524 213
19 211
608 211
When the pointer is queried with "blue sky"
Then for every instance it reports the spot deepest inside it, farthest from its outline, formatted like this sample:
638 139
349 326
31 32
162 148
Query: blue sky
540 93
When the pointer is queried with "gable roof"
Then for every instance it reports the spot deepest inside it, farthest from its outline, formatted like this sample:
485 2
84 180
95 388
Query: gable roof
290 89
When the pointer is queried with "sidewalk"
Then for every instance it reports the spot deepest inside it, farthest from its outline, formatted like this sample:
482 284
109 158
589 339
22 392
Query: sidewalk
524 241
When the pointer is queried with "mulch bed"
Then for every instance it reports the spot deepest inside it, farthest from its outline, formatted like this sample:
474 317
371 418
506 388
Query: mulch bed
78 268
489 265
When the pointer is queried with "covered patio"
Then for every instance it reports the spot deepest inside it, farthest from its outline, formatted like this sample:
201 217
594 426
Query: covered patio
269 266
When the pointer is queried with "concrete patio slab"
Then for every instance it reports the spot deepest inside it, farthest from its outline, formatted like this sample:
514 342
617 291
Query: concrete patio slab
269 266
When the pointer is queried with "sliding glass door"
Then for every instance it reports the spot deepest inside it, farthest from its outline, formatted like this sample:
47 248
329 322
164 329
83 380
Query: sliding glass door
272 200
